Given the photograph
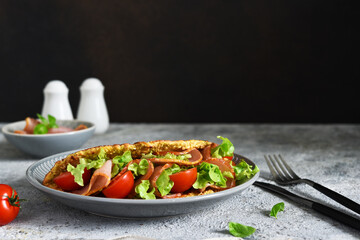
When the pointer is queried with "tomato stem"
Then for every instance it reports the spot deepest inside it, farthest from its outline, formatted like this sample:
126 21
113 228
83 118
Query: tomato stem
14 200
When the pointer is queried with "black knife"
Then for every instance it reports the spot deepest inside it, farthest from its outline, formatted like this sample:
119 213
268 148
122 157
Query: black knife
328 211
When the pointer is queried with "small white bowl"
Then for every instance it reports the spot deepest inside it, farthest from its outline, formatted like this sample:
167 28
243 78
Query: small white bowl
48 144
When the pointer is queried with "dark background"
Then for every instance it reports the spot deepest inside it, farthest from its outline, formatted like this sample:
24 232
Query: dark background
186 61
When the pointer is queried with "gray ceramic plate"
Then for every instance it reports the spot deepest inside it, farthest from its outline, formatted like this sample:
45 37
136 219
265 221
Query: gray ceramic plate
129 208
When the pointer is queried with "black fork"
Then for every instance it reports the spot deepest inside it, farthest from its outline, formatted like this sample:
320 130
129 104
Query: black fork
284 175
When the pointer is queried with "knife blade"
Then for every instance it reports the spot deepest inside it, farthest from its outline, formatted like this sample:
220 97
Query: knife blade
328 211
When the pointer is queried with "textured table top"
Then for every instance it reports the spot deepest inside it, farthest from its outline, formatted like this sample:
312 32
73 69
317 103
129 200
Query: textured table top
327 154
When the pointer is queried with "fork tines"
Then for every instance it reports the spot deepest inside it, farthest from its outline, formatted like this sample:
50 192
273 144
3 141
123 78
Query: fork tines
280 169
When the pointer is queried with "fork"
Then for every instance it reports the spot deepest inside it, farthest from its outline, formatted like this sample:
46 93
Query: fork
284 175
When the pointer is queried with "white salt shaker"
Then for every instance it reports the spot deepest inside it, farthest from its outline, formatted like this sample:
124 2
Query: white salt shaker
56 102
92 105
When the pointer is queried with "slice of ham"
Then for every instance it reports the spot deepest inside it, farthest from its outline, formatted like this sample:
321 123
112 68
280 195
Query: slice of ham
99 180
206 153
157 171
80 127
195 159
20 132
60 129
30 125
174 195
224 165
147 175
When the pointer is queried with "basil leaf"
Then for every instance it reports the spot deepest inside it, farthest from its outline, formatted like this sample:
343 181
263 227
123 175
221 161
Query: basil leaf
276 209
40 129
142 190
239 230
43 119
52 122
226 148
244 171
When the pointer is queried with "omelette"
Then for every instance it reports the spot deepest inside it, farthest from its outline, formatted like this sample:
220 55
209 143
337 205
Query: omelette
148 170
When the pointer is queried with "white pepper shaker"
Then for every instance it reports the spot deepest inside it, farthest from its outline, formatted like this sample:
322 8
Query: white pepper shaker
56 102
92 105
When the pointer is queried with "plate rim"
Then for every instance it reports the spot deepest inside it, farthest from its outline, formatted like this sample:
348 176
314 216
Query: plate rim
6 131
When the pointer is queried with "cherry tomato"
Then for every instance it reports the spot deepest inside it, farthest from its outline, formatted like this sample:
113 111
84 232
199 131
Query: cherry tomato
120 187
9 205
66 180
183 180
229 157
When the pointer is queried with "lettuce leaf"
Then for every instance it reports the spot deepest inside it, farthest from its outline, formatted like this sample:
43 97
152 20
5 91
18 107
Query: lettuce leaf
77 171
168 156
226 148
244 171
98 162
209 174
139 169
120 161
142 190
163 183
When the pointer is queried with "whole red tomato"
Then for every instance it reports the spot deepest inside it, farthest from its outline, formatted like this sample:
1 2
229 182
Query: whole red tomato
9 205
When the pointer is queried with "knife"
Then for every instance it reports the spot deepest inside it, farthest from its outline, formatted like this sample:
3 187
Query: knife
328 211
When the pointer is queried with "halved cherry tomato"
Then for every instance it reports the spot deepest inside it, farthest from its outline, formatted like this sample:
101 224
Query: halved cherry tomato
229 157
183 180
66 180
120 187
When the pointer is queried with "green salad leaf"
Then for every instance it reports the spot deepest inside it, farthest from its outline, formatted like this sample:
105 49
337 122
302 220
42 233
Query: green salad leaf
209 174
276 209
43 127
120 161
239 230
142 190
163 183
244 171
77 171
139 169
226 148
98 162
167 156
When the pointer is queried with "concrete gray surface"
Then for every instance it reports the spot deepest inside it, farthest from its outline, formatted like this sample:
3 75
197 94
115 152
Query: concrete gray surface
327 154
